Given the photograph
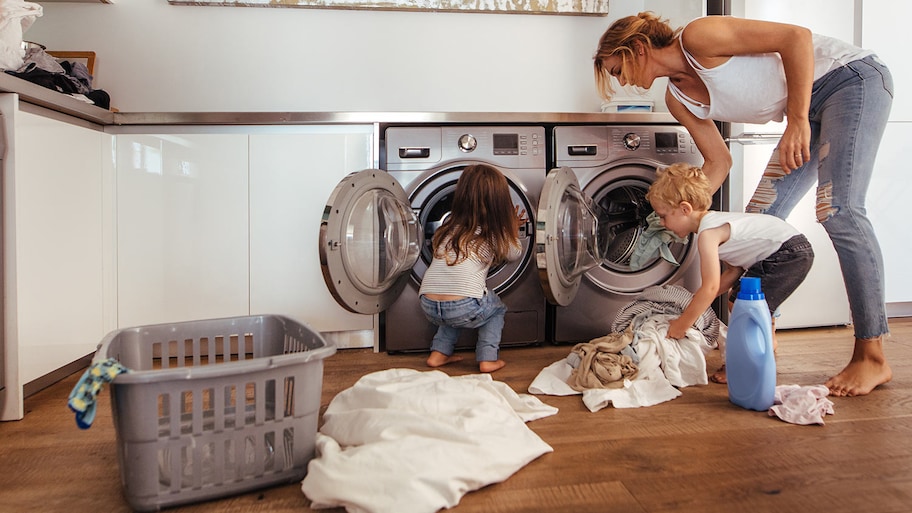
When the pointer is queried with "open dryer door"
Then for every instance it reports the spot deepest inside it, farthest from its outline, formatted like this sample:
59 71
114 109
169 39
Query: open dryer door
566 236
369 241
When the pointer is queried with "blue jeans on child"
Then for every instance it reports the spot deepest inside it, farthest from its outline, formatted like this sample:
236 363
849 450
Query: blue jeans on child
486 314
849 111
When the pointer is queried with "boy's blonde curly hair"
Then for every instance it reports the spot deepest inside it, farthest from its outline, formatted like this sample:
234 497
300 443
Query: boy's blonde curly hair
681 182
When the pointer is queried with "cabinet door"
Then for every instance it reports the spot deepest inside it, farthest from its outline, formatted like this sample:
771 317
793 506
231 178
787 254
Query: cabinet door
181 227
292 174
58 247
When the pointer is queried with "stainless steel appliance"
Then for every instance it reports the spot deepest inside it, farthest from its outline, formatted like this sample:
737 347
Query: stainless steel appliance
377 226
427 162
613 167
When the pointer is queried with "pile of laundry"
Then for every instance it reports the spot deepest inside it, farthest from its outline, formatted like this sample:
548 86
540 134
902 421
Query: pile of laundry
68 77
636 365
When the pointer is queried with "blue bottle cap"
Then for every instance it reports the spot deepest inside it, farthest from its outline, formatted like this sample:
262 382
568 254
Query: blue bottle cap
750 288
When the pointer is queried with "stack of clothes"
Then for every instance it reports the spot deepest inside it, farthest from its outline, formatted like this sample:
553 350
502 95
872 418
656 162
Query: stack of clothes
71 78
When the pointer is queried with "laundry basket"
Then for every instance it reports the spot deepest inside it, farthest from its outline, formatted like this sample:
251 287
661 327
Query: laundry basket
214 407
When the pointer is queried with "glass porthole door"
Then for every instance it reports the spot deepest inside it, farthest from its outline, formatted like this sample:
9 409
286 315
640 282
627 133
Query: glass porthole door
566 236
369 240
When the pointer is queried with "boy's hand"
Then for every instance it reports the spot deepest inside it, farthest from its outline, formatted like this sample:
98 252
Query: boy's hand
676 329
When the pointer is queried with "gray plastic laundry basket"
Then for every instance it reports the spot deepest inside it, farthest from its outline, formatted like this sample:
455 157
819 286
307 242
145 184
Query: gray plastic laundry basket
215 407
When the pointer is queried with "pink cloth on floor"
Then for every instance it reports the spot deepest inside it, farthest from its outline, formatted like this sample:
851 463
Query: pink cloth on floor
802 405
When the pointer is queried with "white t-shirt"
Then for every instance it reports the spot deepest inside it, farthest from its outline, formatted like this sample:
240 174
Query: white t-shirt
753 236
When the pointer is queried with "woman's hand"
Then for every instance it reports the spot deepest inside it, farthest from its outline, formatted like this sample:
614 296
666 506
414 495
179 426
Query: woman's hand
795 145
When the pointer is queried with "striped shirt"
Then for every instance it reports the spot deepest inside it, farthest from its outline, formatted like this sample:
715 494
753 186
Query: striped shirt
466 278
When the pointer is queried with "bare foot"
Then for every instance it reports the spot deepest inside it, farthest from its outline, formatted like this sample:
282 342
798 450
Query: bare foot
437 359
719 376
491 366
866 371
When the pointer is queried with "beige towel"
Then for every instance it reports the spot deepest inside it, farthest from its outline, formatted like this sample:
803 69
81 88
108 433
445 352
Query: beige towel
600 364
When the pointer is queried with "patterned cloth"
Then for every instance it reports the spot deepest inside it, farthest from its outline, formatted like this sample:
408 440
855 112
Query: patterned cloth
665 299
654 241
82 398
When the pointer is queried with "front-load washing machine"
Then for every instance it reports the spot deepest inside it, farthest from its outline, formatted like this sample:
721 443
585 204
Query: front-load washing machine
378 225
611 168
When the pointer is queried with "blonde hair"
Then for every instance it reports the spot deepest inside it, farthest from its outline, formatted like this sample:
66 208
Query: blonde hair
621 40
681 182
482 214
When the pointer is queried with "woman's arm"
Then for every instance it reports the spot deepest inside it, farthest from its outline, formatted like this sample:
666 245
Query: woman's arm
717 160
714 39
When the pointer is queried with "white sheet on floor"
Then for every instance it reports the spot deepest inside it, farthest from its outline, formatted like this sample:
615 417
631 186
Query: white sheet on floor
663 365
406 441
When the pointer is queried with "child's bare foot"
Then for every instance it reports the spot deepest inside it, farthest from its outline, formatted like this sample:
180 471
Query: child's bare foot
866 371
491 366
719 376
437 359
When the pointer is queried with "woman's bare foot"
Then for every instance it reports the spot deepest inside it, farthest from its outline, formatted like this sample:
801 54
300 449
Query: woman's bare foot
719 376
490 366
866 371
437 359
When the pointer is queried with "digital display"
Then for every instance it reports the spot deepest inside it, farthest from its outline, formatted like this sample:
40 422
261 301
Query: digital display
506 144
666 140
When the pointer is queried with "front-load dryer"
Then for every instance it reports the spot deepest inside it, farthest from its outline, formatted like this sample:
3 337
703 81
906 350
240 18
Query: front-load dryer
377 229
611 168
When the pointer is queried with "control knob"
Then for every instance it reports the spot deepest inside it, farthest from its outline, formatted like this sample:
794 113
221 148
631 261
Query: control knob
632 141
467 143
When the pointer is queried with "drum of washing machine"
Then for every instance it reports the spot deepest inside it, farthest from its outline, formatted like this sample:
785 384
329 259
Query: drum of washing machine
623 213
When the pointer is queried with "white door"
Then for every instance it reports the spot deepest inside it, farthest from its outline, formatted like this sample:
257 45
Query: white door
182 226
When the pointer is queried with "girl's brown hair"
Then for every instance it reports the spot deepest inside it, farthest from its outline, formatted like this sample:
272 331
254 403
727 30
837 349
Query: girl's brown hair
681 182
482 214
621 39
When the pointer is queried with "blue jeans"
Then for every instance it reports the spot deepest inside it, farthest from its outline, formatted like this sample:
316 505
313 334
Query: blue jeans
486 314
782 272
849 111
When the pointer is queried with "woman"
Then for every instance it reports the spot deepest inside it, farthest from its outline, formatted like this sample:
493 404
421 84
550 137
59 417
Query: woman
836 100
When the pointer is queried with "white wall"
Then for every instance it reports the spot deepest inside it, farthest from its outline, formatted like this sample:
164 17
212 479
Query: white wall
155 57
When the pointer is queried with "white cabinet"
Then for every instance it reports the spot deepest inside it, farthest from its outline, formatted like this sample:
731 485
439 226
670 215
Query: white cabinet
292 174
57 235
182 221
224 221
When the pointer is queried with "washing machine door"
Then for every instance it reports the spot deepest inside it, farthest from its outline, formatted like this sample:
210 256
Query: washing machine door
566 236
369 241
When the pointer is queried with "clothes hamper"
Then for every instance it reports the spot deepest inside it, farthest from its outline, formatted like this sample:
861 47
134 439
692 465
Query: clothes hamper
214 407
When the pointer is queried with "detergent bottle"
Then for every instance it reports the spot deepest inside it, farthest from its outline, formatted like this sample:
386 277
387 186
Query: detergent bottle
750 365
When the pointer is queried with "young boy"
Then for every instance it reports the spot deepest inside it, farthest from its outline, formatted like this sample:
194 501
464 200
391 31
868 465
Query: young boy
749 244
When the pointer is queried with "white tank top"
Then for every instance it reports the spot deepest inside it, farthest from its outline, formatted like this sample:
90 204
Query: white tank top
752 88
753 236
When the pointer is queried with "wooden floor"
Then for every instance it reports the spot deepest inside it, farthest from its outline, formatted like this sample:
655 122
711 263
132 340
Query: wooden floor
697 453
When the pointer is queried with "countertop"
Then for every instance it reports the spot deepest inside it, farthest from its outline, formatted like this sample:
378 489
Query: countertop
53 100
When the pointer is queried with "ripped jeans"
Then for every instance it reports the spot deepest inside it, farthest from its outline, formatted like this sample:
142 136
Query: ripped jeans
849 111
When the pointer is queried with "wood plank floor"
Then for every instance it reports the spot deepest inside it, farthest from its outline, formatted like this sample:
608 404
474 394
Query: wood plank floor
697 453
